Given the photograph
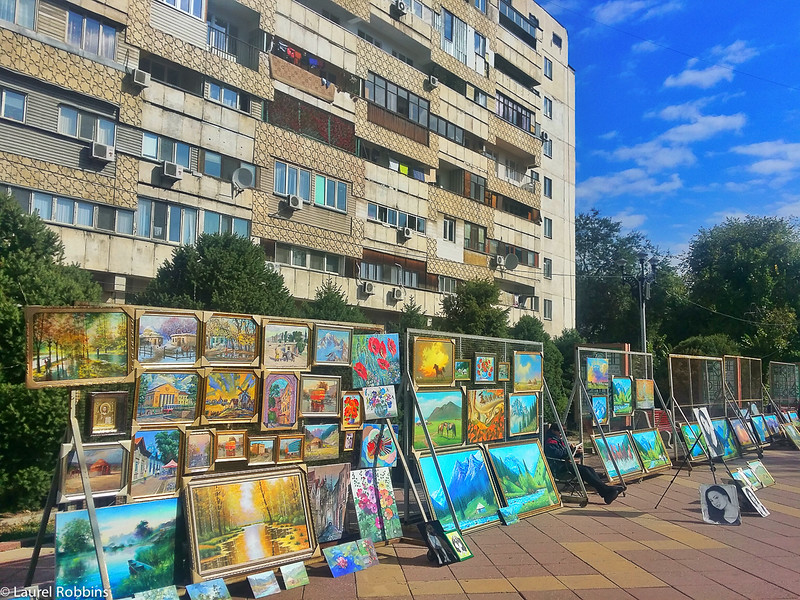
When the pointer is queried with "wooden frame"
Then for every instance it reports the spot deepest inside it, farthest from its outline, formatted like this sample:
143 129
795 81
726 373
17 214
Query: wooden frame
330 335
503 371
279 400
162 397
189 458
517 405
622 395
486 415
352 410
462 370
147 463
652 451
269 443
231 396
485 368
226 337
315 446
285 454
528 371
108 413
316 393
168 338
230 446
629 470
99 467
285 345
428 352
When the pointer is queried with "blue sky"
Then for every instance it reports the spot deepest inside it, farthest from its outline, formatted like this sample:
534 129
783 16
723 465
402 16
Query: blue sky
687 112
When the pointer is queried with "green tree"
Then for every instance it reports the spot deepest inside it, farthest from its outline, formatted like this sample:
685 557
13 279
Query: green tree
168 445
330 304
221 272
717 344
474 310
411 317
76 537
566 343
531 329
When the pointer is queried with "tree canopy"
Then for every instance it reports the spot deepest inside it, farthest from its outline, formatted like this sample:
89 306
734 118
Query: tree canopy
330 304
530 328
474 310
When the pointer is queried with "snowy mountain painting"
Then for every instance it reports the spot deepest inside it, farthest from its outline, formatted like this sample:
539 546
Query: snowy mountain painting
525 482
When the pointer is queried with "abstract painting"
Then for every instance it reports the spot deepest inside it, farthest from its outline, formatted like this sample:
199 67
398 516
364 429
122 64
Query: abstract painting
622 395
433 362
154 461
328 489
376 441
726 437
376 510
761 472
442 412
485 368
742 434
108 412
596 373
294 575
286 346
320 395
230 340
213 589
351 410
600 408
332 345
231 396
376 359
691 435
231 445
321 441
523 413
645 394
524 477
290 448
760 426
380 402
619 446
486 415
264 584
651 449
261 450
280 401
528 372
199 450
106 465
350 557
463 370
167 339
166 397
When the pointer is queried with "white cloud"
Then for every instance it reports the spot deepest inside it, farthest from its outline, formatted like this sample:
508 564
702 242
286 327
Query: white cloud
735 54
774 158
609 135
684 112
619 11
720 216
628 219
723 59
645 47
704 127
655 155
636 182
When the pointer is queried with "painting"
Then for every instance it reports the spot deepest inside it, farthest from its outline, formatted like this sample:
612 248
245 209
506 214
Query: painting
485 368
349 440
503 371
751 478
286 346
166 397
350 557
380 402
761 472
695 443
231 445
739 476
651 449
523 413
261 450
713 442
169 592
321 441
332 345
726 437
469 486
528 372
320 395
793 416
106 464
230 340
719 504
622 397
458 545
463 370
486 415
264 584
376 442
213 589
245 522
645 394
600 408
167 339
231 396
328 489
791 434
280 401
351 410
137 537
524 477
619 446
509 515
742 434
199 450
290 448
76 348
442 411
154 461
596 373
750 495
376 359
773 424
376 510
294 575
439 550
761 429
108 413
433 362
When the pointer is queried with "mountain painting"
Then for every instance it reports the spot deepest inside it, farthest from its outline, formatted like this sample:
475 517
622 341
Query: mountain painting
328 489
322 441
620 447
523 413
623 395
443 416
690 433
600 408
486 415
651 450
596 373
760 426
725 433
524 477
468 485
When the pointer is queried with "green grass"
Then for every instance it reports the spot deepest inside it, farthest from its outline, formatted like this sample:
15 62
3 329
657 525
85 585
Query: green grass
21 529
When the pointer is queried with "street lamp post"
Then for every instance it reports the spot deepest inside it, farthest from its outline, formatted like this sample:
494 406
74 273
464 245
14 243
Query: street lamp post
642 280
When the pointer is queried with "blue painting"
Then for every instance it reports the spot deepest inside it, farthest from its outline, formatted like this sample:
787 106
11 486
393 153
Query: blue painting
600 408
725 435
523 413
760 426
596 373
350 557
690 432
524 478
651 450
213 589
332 345
167 339
619 446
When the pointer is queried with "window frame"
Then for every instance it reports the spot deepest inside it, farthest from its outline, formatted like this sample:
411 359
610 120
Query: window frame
547 107
168 209
188 7
472 237
102 28
547 187
159 155
307 254
79 116
31 12
321 194
3 104
547 148
547 310
547 268
547 228
449 229
547 69
287 168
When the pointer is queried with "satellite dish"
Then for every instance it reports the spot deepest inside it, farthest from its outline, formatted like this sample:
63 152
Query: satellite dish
511 261
243 179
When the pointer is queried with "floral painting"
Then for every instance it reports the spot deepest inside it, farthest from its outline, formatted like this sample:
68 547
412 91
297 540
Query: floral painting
374 501
600 408
645 394
596 373
442 412
524 478
351 410
486 415
350 557
528 372
376 442
380 402
286 346
523 413
433 362
376 359
328 490
230 340
463 370
294 575
321 441
167 339
167 397
320 395
280 401
485 365
622 396
332 345
620 447
651 449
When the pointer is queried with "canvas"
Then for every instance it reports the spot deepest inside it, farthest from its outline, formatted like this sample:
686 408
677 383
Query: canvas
793 416
433 362
380 402
245 522
167 339
319 395
351 410
486 415
761 429
377 441
264 584
166 397
108 413
290 448
376 360
741 433
321 441
294 575
376 510
503 371
199 450
596 373
751 478
459 545
469 485
169 592
719 504
509 515
485 368
523 413
230 339
524 477
440 552
349 440
154 462
286 346
791 434
600 408
442 411
463 370
350 557
739 476
230 445
214 589
620 446
645 394
713 443
773 423
691 433
332 345
280 401
622 398
725 435
750 495
106 463
651 449
137 537
261 450
761 472
328 489
231 396
528 372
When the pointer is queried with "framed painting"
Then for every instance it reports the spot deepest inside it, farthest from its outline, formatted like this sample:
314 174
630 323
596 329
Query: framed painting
725 435
380 402
230 340
793 416
645 394
622 396
596 373
108 413
486 415
523 477
320 395
376 359
523 413
651 449
154 462
321 441
469 486
773 423
433 362
328 487
743 436
279 406
350 557
695 443
351 410
169 592
509 515
791 433
332 345
739 476
230 445
290 448
618 446
239 511
107 465
443 414
349 440
77 347
760 427
285 346
230 396
714 442
463 370
294 575
167 338
261 450
600 408
761 472
528 372
459 545
376 510
165 397
485 368
503 371
199 450
751 478
377 446
439 550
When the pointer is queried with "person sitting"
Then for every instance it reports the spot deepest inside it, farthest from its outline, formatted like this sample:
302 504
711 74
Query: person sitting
558 455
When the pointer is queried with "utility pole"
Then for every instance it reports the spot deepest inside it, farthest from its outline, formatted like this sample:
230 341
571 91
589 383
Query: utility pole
642 281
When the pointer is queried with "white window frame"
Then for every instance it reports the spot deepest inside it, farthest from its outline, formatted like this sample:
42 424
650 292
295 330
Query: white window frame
103 29
80 115
232 222
339 203
3 94
449 229
30 12
217 91
448 285
298 254
184 227
395 218
547 107
160 140
547 228
547 312
284 188
548 68
193 8
547 187
547 148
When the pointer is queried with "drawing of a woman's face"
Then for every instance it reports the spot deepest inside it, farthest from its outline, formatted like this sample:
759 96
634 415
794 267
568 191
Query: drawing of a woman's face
717 500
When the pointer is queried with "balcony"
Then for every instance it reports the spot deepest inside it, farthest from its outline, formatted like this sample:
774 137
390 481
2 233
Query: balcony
397 123
301 79
231 48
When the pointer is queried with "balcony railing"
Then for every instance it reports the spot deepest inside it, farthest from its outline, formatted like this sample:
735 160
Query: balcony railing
397 123
233 49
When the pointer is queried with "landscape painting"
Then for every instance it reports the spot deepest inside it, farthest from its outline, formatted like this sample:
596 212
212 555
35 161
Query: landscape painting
90 346
320 395
376 509
773 423
433 362
264 584
528 372
651 449
645 394
596 373
442 412
380 402
485 368
742 434
155 456
600 408
622 395
286 346
332 345
261 450
167 339
213 589
463 370
468 484
690 433
351 410
280 401
486 415
791 434
620 447
725 435
376 359
199 450
168 592
350 557
524 477
328 489
321 441
139 544
166 397
246 522
106 465
376 442
231 340
523 413
760 425
290 448
231 396
761 472
294 575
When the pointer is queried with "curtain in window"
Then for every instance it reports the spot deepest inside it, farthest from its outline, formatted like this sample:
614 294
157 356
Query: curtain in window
174 223
108 42
91 36
189 225
280 178
125 222
7 10
74 29
144 211
43 204
68 121
211 222
85 214
105 132
64 209
150 145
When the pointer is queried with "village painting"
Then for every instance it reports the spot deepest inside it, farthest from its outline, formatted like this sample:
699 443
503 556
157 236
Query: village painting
167 339
230 396
320 395
286 346
280 401
327 492
154 462
321 441
70 346
167 397
230 340
442 411
106 465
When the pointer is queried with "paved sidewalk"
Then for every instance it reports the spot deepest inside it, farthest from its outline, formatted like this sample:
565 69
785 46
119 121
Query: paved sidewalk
625 550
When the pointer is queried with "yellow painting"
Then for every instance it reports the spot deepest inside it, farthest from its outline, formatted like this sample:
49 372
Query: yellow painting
433 361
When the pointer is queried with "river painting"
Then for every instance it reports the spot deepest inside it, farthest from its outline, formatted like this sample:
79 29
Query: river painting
524 477
651 450
248 522
619 446
139 544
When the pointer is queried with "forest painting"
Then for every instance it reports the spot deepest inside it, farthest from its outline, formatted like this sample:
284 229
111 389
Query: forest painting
622 396
167 339
442 412
230 340
246 522
524 477
651 450
376 359
486 415
523 413
328 488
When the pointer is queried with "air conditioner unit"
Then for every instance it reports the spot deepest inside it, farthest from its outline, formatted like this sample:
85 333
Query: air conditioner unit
399 7
433 81
294 202
500 261
545 137
141 78
102 152
407 233
368 288
273 266
172 170
398 294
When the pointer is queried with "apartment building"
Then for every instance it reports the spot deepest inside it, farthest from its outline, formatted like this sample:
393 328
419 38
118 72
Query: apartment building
396 147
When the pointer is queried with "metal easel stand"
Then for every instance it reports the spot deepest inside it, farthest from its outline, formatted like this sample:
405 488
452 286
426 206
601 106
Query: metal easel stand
585 497
595 423
684 464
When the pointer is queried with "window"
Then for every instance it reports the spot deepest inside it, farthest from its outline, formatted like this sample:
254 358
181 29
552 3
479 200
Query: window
86 126
548 68
402 57
218 223
91 35
548 310
330 193
167 222
365 36
477 187
12 105
548 228
557 41
474 237
228 97
548 187
514 113
547 148
449 232
195 8
162 148
395 218
547 268
480 45
480 5
309 259
448 25
291 180
479 97
548 107
222 167
76 212
452 132
172 74
21 12
396 99
447 285
513 21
